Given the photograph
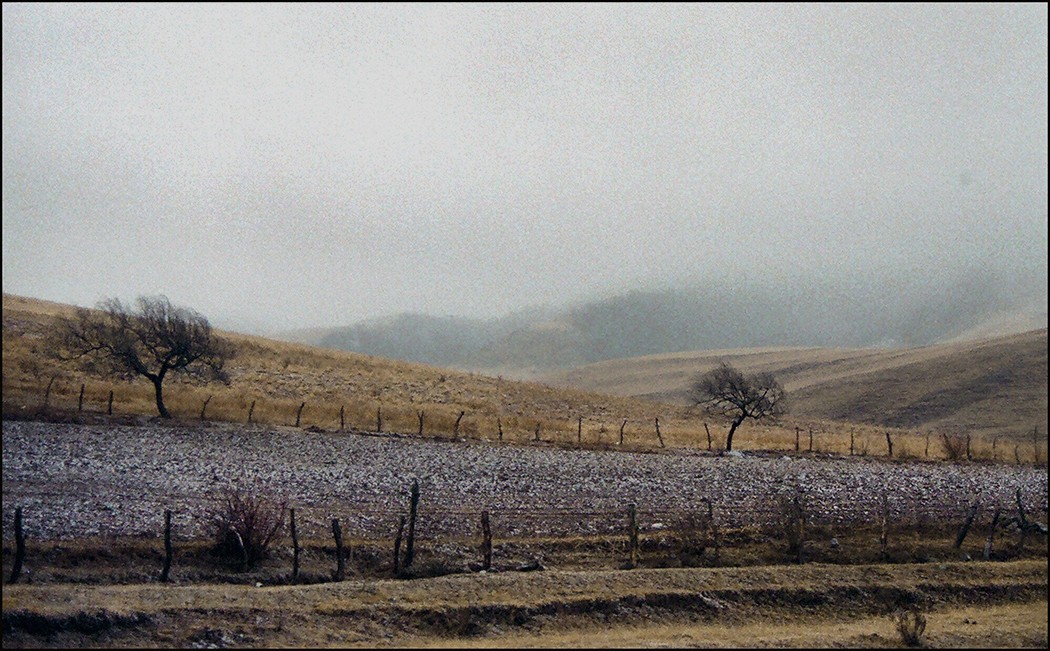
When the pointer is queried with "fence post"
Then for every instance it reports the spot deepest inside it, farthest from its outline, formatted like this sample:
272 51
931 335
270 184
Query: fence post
455 428
109 407
885 517
579 430
632 532
965 528
969 456
342 418
889 445
80 400
486 542
298 413
661 438
709 439
536 436
295 547
20 547
168 551
420 415
851 439
927 453
203 408
47 393
810 439
1022 523
797 430
251 410
499 426
622 425
410 545
991 533
340 567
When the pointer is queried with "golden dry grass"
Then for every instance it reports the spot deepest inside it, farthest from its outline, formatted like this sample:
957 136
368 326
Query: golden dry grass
280 377
811 605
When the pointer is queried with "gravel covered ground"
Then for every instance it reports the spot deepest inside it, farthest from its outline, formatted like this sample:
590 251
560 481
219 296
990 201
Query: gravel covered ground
77 480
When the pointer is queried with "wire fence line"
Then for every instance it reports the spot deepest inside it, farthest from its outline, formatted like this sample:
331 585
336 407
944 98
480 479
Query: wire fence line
136 515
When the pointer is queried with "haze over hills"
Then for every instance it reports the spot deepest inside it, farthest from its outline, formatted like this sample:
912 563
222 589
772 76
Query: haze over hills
865 310
963 386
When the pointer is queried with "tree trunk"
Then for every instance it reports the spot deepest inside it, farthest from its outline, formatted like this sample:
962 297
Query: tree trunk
158 391
732 429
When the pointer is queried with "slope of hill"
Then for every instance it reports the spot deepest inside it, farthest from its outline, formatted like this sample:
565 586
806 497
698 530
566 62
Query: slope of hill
835 312
996 385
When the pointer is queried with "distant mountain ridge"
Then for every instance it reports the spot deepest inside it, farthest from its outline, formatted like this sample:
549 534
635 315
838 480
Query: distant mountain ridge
858 312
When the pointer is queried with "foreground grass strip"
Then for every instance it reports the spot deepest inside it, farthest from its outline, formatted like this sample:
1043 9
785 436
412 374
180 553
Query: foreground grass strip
532 589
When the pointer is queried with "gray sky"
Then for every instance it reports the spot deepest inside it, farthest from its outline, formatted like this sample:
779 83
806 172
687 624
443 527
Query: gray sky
278 166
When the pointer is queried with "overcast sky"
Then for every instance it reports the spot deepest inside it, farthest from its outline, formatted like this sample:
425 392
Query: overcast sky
280 166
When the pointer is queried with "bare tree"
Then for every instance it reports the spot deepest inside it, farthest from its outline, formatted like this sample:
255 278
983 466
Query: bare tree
729 392
153 340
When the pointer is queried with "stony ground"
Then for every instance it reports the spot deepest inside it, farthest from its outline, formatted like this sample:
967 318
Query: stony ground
86 480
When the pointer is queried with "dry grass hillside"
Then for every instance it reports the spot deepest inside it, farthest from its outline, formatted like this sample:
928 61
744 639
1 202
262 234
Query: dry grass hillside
272 381
994 386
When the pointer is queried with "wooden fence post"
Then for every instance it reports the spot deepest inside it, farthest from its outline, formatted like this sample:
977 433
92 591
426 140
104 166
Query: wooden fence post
658 436
420 415
1035 443
889 445
295 547
109 407
991 533
1022 523
797 430
20 547
885 517
299 413
205 407
851 439
579 430
251 410
486 542
810 439
965 528
455 428
342 418
632 532
47 393
168 551
622 425
410 545
536 435
499 426
80 400
340 566
969 455
927 453
709 439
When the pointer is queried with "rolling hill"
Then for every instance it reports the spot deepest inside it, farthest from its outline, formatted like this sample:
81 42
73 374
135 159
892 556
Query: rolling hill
995 385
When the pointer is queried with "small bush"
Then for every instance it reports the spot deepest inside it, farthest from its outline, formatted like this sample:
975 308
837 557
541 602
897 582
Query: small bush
954 446
246 522
911 624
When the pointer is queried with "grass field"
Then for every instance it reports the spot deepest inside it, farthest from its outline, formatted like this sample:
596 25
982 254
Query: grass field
272 380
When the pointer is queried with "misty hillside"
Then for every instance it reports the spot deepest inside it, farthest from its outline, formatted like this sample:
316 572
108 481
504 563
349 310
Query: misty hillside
994 385
827 312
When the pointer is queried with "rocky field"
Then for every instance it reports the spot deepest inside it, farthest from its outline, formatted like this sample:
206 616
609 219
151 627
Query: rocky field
87 480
